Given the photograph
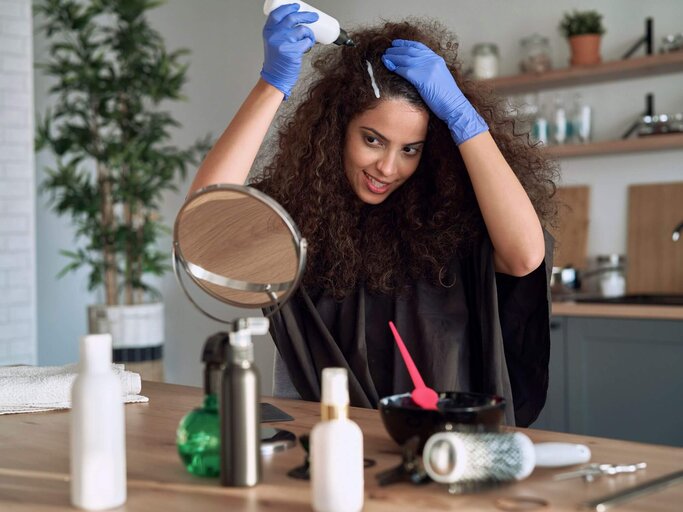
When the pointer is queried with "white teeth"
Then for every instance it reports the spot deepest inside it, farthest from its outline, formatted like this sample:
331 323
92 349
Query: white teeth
376 183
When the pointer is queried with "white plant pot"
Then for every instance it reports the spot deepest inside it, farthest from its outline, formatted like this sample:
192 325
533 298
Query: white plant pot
136 326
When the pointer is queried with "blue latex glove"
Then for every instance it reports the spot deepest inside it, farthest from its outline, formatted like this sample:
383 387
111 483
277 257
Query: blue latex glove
285 41
428 72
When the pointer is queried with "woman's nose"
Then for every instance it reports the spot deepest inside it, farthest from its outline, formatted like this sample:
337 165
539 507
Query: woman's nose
387 165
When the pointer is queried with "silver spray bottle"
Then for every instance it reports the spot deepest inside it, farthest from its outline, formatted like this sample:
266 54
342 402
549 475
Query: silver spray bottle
239 408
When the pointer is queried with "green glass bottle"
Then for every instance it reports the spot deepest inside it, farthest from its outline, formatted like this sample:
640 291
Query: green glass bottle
198 437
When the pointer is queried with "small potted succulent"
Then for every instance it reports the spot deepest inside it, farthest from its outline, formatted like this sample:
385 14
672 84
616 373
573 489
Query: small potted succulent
584 30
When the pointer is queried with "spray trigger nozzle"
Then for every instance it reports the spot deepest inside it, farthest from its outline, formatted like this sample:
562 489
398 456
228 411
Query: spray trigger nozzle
244 328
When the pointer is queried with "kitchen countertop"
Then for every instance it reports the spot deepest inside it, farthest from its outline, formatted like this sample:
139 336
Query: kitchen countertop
571 308
34 466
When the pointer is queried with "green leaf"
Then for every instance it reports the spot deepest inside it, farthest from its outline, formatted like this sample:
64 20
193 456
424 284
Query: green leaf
110 71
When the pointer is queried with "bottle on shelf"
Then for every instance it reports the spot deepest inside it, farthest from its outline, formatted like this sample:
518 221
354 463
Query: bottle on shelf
539 130
581 120
559 121
522 111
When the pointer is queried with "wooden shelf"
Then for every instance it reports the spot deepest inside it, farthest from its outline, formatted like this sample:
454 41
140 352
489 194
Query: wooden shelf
634 145
607 71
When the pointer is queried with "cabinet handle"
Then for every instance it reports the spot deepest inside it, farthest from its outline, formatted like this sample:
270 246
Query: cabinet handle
555 325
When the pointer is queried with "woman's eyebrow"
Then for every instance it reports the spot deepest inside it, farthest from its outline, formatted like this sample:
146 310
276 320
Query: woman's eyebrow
386 139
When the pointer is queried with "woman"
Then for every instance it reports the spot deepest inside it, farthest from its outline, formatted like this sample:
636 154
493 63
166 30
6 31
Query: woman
417 207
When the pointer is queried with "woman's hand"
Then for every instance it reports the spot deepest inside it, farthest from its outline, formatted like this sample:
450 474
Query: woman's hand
510 218
428 72
285 40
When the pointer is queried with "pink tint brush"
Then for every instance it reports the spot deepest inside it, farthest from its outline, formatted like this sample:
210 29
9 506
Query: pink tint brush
422 395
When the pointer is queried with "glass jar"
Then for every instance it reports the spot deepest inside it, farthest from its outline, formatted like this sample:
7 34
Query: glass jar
485 61
672 43
535 54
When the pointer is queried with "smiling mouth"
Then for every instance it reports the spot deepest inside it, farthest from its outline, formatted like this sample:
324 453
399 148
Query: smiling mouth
376 185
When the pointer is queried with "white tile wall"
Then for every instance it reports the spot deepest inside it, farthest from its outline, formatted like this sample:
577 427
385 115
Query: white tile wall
17 186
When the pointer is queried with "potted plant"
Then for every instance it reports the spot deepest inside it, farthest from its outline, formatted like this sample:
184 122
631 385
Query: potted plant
114 159
583 29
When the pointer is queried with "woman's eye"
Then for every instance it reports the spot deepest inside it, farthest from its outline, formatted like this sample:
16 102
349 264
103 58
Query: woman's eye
410 151
371 140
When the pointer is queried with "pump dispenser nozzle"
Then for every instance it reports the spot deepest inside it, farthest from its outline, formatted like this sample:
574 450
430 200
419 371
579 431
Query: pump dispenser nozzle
334 403
244 328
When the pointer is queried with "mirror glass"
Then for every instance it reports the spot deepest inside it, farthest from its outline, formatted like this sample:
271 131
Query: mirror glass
238 245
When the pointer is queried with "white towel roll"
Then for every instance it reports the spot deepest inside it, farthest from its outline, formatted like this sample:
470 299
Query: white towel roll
43 388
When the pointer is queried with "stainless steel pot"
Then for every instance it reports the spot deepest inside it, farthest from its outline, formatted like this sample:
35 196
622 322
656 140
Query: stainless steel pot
565 280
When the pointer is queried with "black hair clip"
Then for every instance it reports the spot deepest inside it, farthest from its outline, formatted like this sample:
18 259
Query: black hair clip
303 472
410 469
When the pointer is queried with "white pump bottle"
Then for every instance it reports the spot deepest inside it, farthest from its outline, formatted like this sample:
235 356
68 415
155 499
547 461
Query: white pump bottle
326 29
336 450
98 439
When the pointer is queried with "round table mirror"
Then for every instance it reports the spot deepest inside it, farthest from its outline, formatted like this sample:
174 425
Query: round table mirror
238 245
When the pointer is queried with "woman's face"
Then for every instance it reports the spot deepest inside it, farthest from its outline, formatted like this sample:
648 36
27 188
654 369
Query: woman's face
383 147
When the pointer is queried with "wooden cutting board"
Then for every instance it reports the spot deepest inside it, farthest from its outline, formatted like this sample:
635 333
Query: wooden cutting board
654 262
571 235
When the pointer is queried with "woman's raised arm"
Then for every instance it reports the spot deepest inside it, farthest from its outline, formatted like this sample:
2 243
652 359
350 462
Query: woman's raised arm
285 40
510 218
231 158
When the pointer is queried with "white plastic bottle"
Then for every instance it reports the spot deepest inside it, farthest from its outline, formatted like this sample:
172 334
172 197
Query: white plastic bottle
98 444
326 29
336 450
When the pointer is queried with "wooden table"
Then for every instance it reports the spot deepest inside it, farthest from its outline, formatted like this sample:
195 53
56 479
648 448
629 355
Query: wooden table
34 466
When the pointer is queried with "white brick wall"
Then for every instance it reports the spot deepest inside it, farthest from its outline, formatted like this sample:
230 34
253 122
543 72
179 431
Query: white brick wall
17 186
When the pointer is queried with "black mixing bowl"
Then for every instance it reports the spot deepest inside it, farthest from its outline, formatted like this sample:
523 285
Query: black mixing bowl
474 412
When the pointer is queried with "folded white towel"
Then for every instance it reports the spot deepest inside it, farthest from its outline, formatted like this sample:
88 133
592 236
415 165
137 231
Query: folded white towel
44 388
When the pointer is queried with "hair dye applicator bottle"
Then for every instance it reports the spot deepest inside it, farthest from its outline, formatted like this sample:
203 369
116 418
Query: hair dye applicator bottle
326 29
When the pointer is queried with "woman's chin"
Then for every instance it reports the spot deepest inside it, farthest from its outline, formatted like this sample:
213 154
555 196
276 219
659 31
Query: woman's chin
372 199
369 197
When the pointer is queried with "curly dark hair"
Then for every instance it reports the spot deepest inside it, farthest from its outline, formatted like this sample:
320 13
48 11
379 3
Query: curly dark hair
424 223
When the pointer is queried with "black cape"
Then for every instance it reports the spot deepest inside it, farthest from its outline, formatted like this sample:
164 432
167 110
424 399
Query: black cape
481 331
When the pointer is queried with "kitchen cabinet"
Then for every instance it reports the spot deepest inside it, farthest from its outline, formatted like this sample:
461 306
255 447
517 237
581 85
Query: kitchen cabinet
615 377
607 71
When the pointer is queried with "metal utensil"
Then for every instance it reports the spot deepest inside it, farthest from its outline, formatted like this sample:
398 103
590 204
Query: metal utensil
606 502
590 471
